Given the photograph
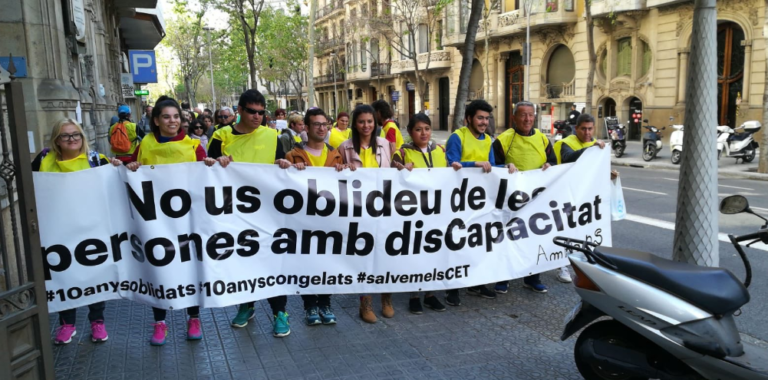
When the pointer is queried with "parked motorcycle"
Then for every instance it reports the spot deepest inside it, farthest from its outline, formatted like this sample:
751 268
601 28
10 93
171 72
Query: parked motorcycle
651 141
676 143
562 130
618 134
738 145
668 319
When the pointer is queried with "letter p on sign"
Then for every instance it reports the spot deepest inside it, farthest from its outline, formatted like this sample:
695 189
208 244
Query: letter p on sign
143 66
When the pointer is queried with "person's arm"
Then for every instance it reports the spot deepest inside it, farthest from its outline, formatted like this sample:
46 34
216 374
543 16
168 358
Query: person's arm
453 152
135 155
392 135
37 161
550 151
569 155
498 153
397 159
200 153
492 156
279 152
214 149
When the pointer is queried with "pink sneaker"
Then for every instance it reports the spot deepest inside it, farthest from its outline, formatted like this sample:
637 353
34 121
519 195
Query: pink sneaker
194 332
98 332
64 334
158 337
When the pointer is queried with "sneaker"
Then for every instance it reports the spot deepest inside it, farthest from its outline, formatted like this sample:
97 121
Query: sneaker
501 287
563 275
481 291
313 316
281 326
452 298
414 306
244 313
326 314
98 332
433 303
158 336
534 284
64 334
194 332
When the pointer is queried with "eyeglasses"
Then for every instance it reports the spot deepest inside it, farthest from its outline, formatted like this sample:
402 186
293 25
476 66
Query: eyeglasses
72 137
253 111
319 125
222 116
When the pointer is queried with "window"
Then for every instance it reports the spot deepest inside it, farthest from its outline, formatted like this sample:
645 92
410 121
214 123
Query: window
406 42
464 8
374 50
647 56
511 5
624 57
349 54
363 57
603 63
439 35
354 57
423 38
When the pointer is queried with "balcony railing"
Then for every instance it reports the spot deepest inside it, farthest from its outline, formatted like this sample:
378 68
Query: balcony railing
329 8
380 69
330 43
328 78
560 91
475 95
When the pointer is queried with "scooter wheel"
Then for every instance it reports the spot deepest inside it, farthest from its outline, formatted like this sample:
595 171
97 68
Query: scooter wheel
749 157
619 151
649 151
613 333
676 156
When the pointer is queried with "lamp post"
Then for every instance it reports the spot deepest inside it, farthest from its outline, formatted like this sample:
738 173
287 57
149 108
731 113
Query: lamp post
334 82
210 65
527 49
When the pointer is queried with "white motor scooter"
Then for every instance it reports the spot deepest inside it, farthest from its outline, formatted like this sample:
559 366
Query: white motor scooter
676 143
738 145
668 319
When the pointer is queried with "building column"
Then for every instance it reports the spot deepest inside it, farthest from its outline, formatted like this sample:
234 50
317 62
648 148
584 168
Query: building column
501 101
682 72
747 71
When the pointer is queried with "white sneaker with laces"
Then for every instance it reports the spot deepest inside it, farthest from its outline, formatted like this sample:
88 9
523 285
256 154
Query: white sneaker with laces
563 275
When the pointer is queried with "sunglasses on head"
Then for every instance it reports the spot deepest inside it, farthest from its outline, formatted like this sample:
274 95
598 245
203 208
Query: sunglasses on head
253 111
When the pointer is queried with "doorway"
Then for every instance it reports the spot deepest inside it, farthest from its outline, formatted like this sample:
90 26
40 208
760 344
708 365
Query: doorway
515 85
411 103
635 109
730 71
444 102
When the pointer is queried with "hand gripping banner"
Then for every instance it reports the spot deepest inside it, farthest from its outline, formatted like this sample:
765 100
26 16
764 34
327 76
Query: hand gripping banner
174 236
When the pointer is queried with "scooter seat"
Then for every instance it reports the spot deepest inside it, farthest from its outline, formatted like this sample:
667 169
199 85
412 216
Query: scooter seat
715 290
739 136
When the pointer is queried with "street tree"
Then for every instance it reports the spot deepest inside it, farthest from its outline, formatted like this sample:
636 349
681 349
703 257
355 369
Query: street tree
400 25
763 161
592 55
244 16
467 53
184 38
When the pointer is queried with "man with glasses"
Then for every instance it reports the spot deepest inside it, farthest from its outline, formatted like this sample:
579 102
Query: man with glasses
525 148
225 118
316 152
250 141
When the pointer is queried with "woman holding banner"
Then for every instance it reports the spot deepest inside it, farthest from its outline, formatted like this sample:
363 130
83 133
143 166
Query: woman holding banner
421 154
169 144
67 152
365 150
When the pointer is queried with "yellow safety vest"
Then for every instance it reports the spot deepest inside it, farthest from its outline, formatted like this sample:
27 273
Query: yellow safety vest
131 129
49 163
318 161
297 138
338 137
526 152
432 159
398 136
257 147
473 149
153 152
573 142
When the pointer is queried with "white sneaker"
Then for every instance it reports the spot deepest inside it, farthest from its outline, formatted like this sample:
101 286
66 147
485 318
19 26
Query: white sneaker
563 275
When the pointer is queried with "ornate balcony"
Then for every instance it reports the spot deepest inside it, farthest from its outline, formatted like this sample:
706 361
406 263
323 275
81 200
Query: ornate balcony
329 9
605 7
559 91
439 59
380 69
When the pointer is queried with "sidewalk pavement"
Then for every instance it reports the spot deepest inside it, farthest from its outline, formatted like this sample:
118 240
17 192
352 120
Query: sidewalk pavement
515 336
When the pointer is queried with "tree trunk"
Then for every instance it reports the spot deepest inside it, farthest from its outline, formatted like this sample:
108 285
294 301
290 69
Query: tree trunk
467 53
487 54
592 56
763 161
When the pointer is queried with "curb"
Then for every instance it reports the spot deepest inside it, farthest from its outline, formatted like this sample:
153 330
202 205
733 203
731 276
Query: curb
720 173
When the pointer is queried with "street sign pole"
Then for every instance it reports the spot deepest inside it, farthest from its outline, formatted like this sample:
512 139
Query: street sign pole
697 203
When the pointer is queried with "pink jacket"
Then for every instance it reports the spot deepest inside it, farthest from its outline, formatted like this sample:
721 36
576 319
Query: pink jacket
383 153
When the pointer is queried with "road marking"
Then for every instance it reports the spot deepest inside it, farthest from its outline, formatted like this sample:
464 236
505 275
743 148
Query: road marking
759 208
672 179
671 226
736 187
643 191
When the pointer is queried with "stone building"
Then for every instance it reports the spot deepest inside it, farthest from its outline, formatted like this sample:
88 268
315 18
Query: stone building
75 52
642 49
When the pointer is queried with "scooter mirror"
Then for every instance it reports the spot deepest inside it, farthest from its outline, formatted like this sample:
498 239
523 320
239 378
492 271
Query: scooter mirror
645 121
734 204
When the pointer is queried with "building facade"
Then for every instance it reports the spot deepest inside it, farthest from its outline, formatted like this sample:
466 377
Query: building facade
642 49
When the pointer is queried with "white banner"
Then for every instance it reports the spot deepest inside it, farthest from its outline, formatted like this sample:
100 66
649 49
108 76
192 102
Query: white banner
186 234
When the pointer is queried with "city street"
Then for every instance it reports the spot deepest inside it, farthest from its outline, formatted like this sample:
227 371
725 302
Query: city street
512 337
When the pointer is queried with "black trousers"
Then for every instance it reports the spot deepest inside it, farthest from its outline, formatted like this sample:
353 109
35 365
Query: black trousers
276 303
95 313
160 314
319 300
534 277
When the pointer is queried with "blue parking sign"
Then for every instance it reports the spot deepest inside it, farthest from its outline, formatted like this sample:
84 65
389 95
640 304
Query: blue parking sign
143 66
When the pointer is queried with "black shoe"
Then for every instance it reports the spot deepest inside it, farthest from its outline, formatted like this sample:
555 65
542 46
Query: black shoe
481 291
452 298
433 303
414 305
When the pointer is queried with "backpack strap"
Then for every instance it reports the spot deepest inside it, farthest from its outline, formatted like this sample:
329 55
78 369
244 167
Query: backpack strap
44 152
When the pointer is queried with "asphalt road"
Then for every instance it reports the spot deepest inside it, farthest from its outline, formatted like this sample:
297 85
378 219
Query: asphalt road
651 198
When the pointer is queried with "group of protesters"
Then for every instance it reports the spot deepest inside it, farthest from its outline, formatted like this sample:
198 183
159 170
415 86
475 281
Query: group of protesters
170 133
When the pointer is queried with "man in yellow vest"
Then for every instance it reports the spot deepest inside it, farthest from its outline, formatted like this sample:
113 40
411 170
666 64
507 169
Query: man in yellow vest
470 147
524 148
570 148
250 141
